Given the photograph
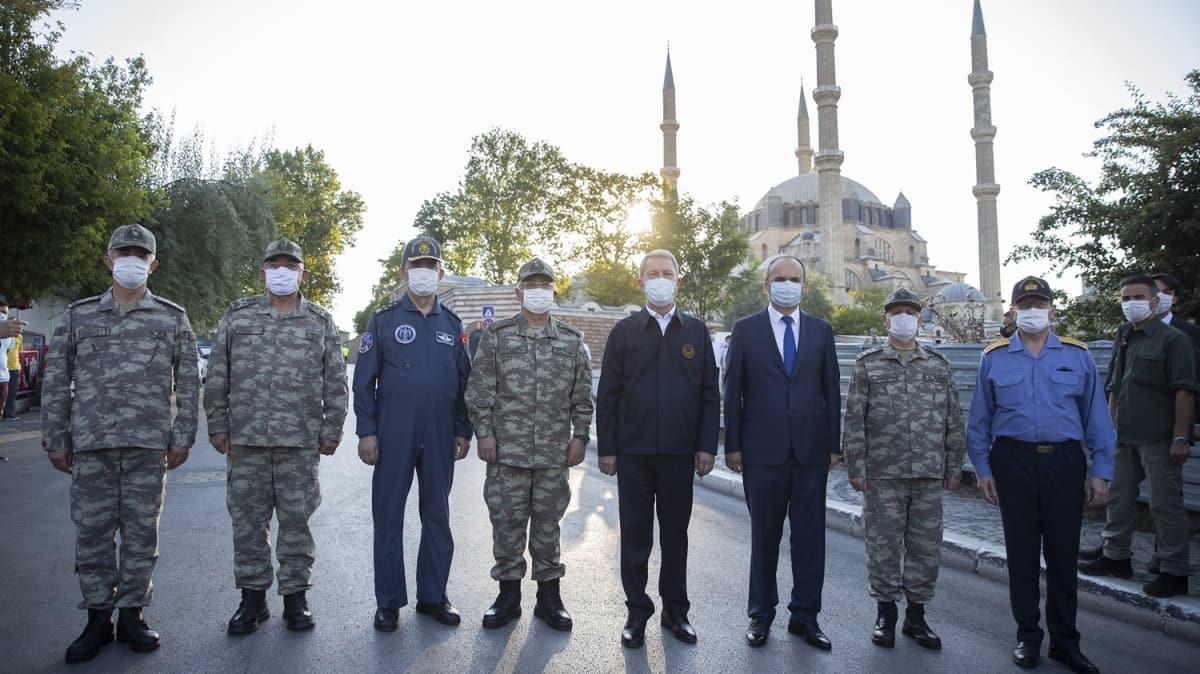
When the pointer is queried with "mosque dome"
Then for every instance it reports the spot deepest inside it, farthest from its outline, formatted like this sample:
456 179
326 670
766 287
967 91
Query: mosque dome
806 188
958 292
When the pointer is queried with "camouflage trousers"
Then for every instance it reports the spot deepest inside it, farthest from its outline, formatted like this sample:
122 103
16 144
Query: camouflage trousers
520 501
262 481
117 490
902 522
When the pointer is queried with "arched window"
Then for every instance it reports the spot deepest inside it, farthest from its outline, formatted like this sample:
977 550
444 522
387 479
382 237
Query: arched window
852 280
884 250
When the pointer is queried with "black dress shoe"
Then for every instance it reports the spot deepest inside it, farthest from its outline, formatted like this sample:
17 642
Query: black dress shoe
250 612
884 633
133 630
1166 585
441 611
678 624
756 634
97 635
1075 660
296 612
1104 566
634 634
387 619
1088 554
1026 654
812 634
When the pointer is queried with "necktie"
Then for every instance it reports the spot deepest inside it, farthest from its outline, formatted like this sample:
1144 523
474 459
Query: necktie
789 345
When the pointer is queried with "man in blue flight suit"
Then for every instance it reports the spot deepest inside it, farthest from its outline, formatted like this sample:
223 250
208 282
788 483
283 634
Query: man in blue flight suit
408 396
1038 403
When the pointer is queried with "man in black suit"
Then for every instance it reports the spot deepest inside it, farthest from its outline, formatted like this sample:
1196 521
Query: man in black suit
782 431
657 414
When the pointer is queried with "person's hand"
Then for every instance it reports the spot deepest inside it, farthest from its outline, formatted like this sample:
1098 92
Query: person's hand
1180 451
1097 492
834 460
608 465
368 449
575 451
486 448
987 485
859 483
328 447
220 442
62 459
176 456
704 463
733 461
461 447
952 483
11 328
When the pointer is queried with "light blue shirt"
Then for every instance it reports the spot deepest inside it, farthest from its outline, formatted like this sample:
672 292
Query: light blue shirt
1053 397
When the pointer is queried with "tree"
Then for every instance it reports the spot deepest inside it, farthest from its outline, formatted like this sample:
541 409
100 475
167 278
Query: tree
815 301
1142 215
611 284
863 316
75 154
709 244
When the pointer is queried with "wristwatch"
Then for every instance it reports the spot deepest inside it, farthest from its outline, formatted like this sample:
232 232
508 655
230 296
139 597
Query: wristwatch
1179 440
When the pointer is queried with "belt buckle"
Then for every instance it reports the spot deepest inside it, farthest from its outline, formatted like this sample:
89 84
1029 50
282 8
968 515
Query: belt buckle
1045 449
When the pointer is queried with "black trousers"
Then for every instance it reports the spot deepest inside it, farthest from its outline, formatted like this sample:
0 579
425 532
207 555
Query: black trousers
1041 505
646 483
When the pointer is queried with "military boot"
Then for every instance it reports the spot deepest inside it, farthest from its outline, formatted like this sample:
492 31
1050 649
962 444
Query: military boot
250 612
916 627
97 634
507 606
885 625
133 630
550 608
297 613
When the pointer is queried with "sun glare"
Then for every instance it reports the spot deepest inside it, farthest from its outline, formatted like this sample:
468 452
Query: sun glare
637 218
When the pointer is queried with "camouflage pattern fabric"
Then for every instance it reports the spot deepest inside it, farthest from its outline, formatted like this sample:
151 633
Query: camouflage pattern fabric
125 363
520 500
902 419
262 481
531 388
117 491
299 354
902 523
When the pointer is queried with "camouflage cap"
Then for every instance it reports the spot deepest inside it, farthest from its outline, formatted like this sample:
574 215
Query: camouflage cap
422 248
132 235
1031 286
534 267
283 247
902 296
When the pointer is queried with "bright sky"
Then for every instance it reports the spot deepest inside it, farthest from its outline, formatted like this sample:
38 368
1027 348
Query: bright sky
393 92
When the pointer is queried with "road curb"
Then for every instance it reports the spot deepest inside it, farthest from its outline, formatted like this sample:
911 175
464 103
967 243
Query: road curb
1176 617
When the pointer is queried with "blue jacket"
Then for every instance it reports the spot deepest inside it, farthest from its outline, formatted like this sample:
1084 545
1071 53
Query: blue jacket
770 413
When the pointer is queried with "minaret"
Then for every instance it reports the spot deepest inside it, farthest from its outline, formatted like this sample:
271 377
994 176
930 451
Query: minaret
829 157
804 151
986 188
670 171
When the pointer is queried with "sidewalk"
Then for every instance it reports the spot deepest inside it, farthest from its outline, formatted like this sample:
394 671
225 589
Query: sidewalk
974 537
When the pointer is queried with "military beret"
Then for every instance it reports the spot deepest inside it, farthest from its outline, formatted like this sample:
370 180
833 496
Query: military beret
132 235
535 267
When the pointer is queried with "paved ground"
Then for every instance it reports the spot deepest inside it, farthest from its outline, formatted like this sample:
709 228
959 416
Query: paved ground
194 595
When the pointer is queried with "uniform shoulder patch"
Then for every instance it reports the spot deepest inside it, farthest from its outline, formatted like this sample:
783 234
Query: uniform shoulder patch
995 345
86 300
1074 342
871 351
937 354
503 323
451 312
318 309
243 303
169 303
567 327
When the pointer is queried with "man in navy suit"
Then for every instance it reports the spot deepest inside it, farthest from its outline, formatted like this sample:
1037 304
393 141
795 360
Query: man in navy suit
782 432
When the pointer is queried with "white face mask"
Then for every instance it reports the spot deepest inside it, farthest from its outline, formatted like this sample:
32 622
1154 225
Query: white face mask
660 292
422 282
538 300
786 294
1136 311
282 281
902 326
1164 303
130 272
1033 321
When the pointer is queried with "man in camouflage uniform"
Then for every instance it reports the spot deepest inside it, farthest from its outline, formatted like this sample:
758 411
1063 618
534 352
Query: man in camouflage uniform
530 401
127 352
276 400
904 441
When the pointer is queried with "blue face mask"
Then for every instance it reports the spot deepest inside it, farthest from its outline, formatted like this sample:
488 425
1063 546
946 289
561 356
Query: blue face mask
786 293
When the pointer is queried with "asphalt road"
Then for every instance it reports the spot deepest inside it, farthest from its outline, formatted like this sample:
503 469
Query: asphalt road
195 596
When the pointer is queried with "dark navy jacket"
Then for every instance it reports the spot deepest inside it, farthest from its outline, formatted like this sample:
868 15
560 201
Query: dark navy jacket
658 393
770 413
411 376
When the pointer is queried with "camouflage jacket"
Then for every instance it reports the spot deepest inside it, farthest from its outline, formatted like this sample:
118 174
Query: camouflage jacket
123 366
902 421
532 389
276 381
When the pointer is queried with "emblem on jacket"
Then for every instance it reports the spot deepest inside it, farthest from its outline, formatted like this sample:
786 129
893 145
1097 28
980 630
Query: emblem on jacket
688 351
405 334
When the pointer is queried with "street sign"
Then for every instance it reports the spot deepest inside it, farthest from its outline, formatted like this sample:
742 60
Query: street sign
489 315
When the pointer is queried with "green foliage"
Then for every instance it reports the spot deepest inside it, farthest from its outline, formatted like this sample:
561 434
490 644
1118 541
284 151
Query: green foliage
815 301
747 296
1142 215
863 316
75 155
612 284
708 243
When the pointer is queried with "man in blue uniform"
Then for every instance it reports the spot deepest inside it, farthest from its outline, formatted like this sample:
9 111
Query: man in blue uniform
408 396
1038 402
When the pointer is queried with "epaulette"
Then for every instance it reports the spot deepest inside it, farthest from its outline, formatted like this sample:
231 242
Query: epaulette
1074 342
385 307
318 309
569 328
243 303
864 354
451 312
169 303
86 300
934 352
995 345
503 323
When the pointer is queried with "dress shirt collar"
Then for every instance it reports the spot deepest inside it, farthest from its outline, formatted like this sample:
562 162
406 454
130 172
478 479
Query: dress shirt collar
1166 318
1015 343
776 317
